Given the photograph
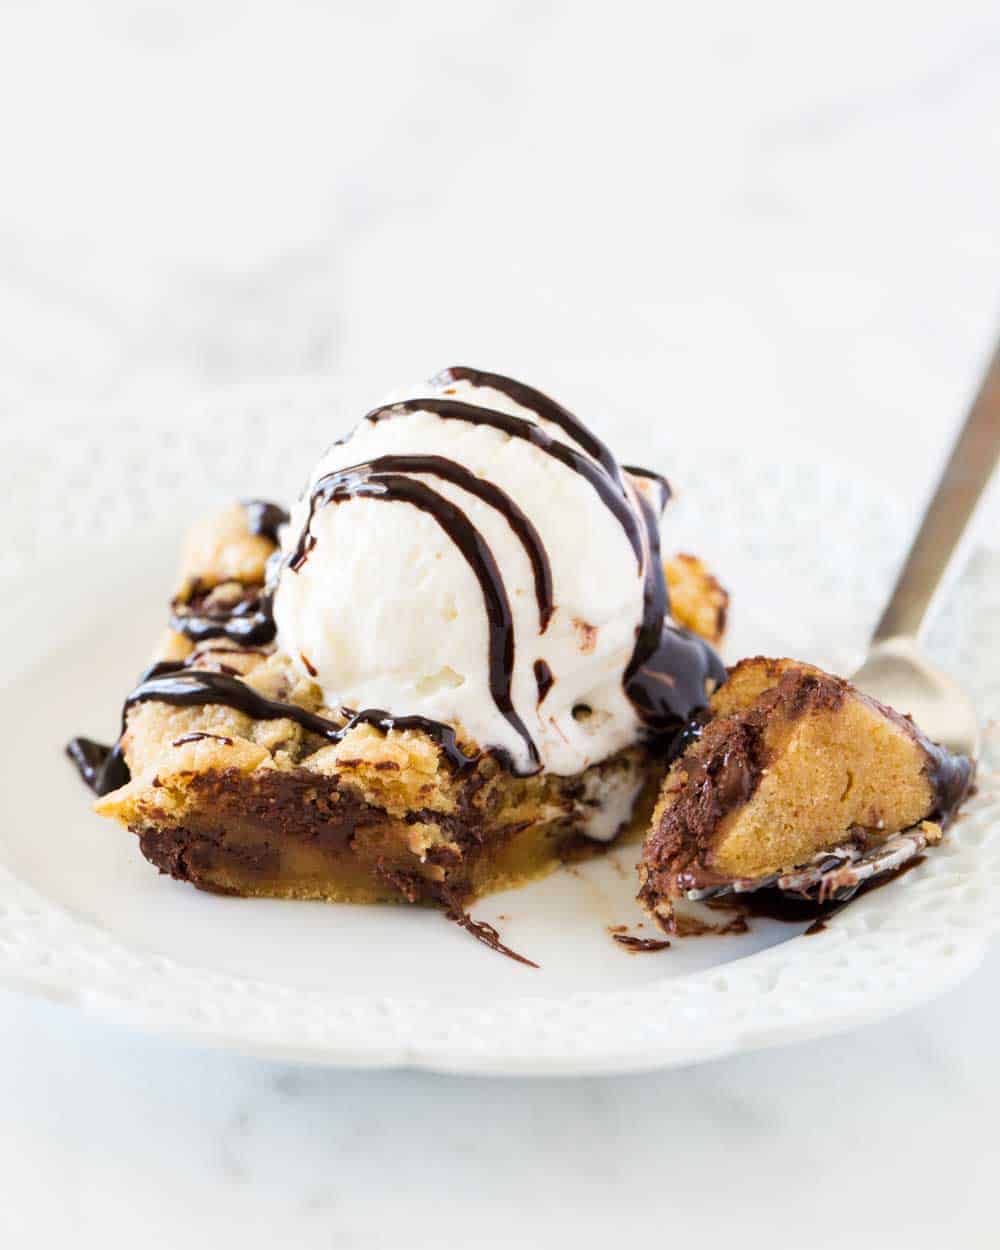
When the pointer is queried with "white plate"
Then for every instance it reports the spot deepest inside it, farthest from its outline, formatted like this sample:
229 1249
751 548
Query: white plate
84 918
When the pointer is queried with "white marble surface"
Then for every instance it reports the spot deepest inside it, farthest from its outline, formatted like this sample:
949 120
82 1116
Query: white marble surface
773 221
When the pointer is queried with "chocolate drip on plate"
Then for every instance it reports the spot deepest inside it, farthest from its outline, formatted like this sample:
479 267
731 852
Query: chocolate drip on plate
637 944
91 759
103 768
480 930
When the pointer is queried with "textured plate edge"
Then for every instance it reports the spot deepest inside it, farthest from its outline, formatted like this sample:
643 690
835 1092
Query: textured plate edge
507 1063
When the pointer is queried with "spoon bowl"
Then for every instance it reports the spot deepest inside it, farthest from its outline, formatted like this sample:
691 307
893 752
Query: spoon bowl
897 673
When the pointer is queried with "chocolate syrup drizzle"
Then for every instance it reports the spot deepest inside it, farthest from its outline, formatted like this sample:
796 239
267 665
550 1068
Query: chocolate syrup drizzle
648 475
449 471
609 487
264 518
104 768
541 405
251 621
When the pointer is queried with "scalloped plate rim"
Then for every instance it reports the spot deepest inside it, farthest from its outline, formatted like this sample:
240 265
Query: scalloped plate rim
692 1039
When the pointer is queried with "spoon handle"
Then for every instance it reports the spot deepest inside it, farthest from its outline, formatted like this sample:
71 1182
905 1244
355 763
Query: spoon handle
964 480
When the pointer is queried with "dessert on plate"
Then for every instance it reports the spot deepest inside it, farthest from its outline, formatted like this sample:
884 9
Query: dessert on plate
452 665
793 780
461 660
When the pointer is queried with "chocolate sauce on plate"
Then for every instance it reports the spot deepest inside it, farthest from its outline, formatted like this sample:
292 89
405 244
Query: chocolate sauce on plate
638 944
486 934
775 904
480 930
90 758
103 768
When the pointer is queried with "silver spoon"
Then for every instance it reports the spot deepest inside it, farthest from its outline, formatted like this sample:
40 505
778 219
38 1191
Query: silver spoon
896 671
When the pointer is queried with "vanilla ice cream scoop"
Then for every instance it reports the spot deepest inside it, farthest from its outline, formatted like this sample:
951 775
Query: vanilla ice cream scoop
473 557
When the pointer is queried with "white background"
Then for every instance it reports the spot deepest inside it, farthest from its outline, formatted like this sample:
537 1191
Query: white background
776 223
